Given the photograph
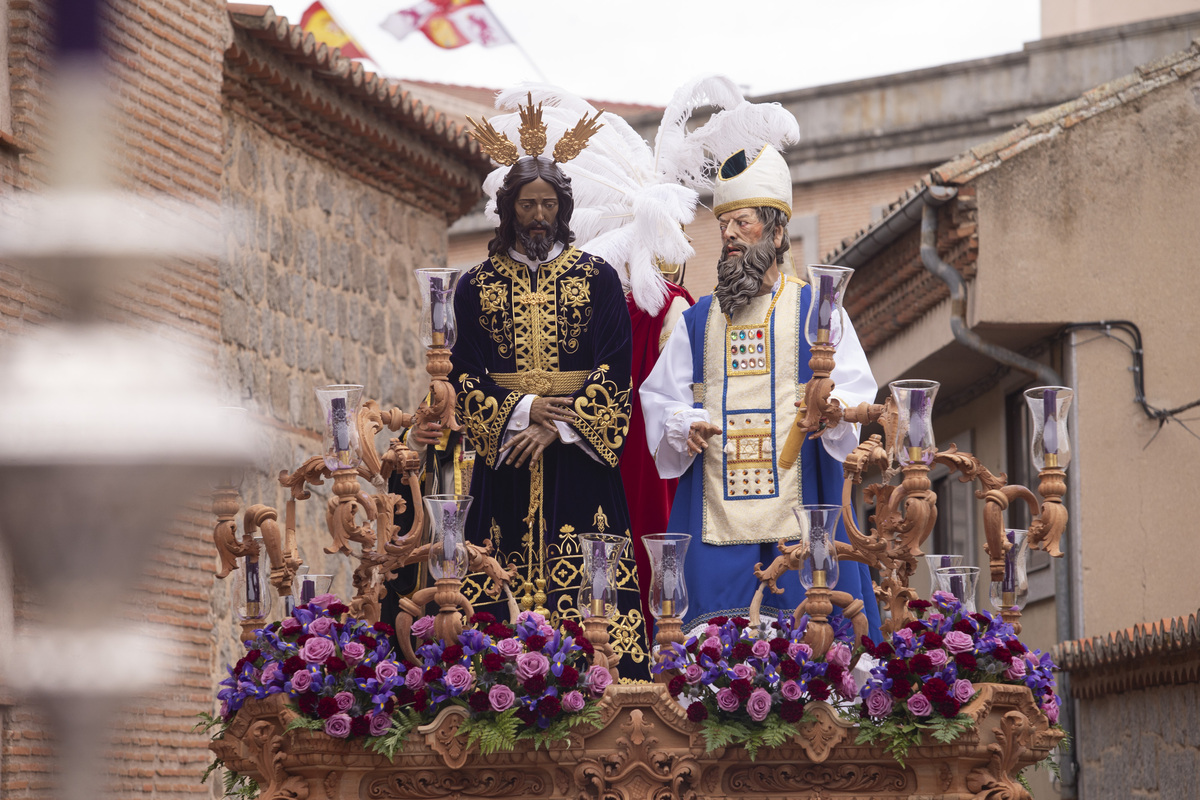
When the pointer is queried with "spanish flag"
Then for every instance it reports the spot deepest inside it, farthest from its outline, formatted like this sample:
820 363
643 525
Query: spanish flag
321 24
449 23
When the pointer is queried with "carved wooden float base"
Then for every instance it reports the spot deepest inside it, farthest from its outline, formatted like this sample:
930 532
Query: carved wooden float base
646 749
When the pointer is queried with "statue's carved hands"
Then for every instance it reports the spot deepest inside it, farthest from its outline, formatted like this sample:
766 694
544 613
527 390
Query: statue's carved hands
529 444
698 436
545 411
427 433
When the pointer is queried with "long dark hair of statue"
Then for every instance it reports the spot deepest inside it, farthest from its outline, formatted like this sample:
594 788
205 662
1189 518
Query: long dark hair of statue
528 170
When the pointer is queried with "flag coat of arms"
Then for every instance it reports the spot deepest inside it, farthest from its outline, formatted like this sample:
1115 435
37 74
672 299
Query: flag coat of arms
449 23
324 28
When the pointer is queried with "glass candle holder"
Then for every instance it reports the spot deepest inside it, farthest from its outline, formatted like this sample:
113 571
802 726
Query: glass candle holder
818 525
598 589
1011 593
960 582
668 589
824 323
252 589
914 433
339 408
1049 407
438 328
308 586
936 560
448 557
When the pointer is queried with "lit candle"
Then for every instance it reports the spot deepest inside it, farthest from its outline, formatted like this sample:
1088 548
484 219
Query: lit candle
341 429
825 308
1050 426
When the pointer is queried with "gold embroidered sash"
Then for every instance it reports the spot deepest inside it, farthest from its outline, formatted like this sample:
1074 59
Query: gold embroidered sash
544 383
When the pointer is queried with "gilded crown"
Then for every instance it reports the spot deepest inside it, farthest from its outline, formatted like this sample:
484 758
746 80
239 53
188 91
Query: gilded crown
503 151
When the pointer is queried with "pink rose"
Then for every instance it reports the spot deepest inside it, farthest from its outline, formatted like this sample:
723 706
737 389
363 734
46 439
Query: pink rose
798 649
758 705
324 601
692 674
838 654
386 671
761 648
743 671
338 726
938 658
545 630
290 625
501 697
271 672
423 627
905 634
537 618
847 688
958 642
712 630
344 700
317 650
919 704
321 626
381 723
1016 669
414 680
572 701
879 703
531 665
935 618
598 679
353 652
727 700
711 641
459 679
301 681
790 690
963 690
1051 711
510 648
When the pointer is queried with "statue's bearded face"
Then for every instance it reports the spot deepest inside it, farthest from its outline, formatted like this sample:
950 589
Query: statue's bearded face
746 255
536 219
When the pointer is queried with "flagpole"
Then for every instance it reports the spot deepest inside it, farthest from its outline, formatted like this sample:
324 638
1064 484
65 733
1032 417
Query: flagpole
519 47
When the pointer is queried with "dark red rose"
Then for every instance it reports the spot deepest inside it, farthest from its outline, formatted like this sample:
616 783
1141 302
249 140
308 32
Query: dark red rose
452 654
741 622
253 656
935 689
363 672
360 726
405 696
779 645
948 707
740 687
304 637
480 618
535 643
741 651
535 685
333 665
549 707
573 628
900 689
337 609
384 628
326 707
433 674
833 673
919 605
389 706
498 630
569 678
916 626
964 626
478 702
420 701
921 664
867 645
884 650
983 621
1001 653
818 689
966 661
369 642
789 669
897 668
293 664
696 712
675 685
791 710
586 647
307 702
1015 647
526 715
711 652
932 639
493 662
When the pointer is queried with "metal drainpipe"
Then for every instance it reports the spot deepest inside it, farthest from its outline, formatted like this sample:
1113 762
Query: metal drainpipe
1064 599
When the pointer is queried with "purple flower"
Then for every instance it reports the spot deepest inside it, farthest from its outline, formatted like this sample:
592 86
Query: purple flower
301 681
790 690
797 649
727 700
344 700
459 679
501 697
1016 670
1051 711
353 652
323 601
958 642
919 705
531 665
271 672
758 705
761 648
598 680
289 626
572 701
317 650
879 703
321 626
838 654
387 670
938 658
711 641
422 627
510 648
963 690
712 630
414 680
743 671
847 688
338 726
692 674
381 723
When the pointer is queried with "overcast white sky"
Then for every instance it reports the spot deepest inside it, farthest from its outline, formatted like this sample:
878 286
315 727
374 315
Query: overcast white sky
641 50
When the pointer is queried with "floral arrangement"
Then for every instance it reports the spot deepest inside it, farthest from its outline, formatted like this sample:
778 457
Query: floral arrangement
751 690
931 667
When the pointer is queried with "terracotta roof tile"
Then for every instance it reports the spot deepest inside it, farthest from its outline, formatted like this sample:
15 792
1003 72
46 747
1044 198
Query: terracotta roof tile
1048 116
1147 639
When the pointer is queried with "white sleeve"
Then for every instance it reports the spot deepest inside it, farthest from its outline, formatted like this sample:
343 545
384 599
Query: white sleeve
666 397
853 383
